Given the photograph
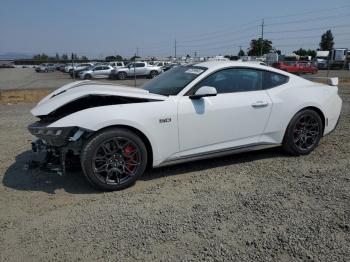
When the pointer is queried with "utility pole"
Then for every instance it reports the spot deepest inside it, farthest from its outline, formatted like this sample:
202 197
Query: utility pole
135 67
73 66
240 49
175 49
137 51
262 37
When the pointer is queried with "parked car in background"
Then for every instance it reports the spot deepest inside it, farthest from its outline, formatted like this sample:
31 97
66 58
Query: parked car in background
69 67
75 73
78 67
58 66
100 71
136 68
306 68
161 64
61 67
45 68
296 67
290 68
168 67
117 64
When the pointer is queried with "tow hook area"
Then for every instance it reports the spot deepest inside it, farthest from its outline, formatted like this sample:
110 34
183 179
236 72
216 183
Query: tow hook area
47 159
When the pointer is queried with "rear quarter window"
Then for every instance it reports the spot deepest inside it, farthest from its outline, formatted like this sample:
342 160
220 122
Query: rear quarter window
271 79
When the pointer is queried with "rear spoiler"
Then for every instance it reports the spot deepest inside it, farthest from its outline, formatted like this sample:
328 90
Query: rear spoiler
332 81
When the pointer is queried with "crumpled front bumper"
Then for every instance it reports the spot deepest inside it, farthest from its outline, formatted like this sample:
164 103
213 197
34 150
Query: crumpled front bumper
53 136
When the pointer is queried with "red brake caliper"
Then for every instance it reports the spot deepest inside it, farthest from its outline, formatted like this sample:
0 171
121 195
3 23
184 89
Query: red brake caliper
127 151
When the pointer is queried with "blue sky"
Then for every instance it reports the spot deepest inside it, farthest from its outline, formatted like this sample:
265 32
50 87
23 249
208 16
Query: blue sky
208 27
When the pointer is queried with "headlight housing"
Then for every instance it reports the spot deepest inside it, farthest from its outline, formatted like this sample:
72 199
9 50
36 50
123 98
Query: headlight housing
54 136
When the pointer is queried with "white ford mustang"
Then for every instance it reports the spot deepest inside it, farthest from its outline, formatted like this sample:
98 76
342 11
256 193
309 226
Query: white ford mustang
187 113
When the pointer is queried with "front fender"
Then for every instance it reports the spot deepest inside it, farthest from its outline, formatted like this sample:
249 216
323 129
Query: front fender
145 117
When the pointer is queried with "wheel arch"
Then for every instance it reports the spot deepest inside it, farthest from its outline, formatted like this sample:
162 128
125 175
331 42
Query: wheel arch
314 108
319 112
143 137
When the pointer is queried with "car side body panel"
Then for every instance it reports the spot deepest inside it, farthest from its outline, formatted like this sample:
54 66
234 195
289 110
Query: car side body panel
290 98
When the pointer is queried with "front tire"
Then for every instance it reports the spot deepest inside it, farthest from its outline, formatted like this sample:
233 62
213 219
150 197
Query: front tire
303 133
153 74
114 159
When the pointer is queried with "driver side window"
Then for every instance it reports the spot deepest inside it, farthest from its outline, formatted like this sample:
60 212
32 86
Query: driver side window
234 80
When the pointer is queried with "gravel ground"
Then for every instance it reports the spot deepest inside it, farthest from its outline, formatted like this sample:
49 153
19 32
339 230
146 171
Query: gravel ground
260 206
27 78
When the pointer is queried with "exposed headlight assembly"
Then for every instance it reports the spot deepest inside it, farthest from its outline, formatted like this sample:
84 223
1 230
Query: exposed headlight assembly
54 136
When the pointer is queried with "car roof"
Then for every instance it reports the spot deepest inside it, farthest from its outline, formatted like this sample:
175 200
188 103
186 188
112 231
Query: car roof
215 65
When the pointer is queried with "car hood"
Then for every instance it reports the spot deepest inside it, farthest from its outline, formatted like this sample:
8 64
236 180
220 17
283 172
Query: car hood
79 89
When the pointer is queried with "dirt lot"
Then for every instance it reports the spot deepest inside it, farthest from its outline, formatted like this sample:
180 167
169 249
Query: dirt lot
261 206
27 78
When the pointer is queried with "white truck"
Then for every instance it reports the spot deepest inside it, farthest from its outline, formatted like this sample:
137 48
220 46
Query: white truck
321 59
136 68
338 58
117 64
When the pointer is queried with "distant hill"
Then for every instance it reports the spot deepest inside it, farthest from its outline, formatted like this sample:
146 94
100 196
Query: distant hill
14 56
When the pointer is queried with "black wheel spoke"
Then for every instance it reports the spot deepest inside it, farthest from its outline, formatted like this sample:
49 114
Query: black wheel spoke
306 132
101 168
116 161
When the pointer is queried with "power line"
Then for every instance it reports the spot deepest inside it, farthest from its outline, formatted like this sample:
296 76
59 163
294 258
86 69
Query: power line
225 34
312 19
308 12
305 30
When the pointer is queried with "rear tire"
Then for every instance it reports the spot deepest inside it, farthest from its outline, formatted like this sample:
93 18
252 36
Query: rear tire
114 159
303 133
122 76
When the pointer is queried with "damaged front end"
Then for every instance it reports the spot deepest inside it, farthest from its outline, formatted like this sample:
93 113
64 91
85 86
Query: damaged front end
60 146
62 143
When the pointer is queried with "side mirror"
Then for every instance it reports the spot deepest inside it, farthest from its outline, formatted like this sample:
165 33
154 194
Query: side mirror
204 91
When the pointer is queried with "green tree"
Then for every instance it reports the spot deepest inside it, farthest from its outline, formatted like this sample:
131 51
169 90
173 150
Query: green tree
300 52
241 53
110 58
134 57
118 58
84 58
64 57
304 52
41 57
74 57
327 41
259 46
311 53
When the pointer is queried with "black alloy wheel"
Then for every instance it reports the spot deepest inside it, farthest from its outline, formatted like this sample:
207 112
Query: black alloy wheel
303 133
114 159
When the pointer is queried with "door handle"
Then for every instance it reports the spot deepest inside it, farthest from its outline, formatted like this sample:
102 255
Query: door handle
259 104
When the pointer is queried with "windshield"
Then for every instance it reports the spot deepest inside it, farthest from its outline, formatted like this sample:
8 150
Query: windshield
173 81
